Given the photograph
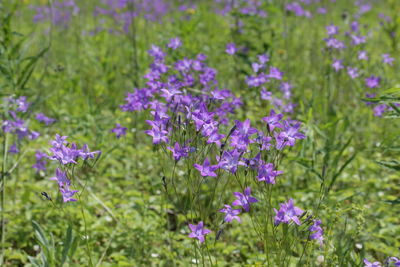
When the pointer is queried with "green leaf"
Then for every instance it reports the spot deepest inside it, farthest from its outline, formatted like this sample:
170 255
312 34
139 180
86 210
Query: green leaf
28 70
67 245
393 164
340 171
40 235
34 261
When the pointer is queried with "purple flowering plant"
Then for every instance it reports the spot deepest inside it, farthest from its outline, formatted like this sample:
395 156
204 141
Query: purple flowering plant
191 122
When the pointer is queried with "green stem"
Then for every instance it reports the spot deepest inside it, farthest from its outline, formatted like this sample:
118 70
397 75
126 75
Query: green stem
3 197
86 235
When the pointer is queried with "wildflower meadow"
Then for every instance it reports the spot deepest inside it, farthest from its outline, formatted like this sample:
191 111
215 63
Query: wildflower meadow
200 133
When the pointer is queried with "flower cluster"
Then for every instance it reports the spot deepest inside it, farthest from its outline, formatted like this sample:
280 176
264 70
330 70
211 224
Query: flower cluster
287 213
60 12
266 75
66 154
184 96
123 12
41 162
43 118
244 7
64 185
388 261
318 232
13 122
355 39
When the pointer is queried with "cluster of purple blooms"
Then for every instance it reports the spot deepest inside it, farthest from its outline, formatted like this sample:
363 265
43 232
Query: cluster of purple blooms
173 102
123 12
120 12
43 118
41 161
244 7
60 12
391 260
371 82
13 122
64 184
65 154
307 8
266 75
287 213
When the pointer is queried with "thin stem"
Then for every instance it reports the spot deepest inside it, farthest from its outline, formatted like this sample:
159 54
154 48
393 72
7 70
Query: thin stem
86 235
3 196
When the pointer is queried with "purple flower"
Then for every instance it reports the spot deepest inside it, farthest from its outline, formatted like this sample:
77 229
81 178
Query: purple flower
240 137
322 10
273 120
64 185
267 173
119 130
288 136
379 110
372 82
41 162
337 65
286 89
65 155
353 72
67 193
157 53
46 120
287 213
244 200
138 100
357 40
215 137
318 232
231 214
22 104
59 141
275 73
13 149
355 26
266 95
68 154
362 55
372 264
264 141
33 135
174 43
206 169
387 59
231 49
178 152
159 135
229 161
85 153
334 43
256 66
61 178
263 58
332 30
395 260
198 231
253 163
